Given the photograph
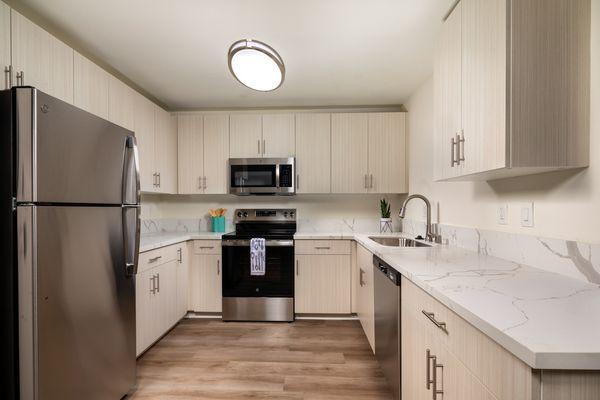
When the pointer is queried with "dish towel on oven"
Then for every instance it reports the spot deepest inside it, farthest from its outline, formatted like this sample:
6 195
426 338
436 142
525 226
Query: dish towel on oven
257 256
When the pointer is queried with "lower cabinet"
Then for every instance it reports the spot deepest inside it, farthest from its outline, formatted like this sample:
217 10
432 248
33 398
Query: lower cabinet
365 296
204 285
160 275
183 263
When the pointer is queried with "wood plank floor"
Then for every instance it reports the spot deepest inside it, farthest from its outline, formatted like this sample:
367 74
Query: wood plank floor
311 360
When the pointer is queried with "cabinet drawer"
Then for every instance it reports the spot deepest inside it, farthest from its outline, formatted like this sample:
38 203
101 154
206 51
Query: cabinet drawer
482 356
322 247
153 258
207 247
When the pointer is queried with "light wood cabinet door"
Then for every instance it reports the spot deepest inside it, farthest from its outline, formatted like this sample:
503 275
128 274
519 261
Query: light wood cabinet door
245 135
216 154
484 81
145 136
166 285
204 293
366 293
190 153
323 284
90 86
447 83
144 310
166 151
349 152
278 135
121 104
183 267
5 57
42 60
387 153
313 153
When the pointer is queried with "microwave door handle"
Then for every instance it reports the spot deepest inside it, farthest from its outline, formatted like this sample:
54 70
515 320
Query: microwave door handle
131 173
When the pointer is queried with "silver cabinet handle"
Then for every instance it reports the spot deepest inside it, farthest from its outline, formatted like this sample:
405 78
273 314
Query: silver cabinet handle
158 179
199 182
158 283
205 247
155 259
371 181
152 285
461 146
264 147
179 255
297 268
8 77
154 179
204 182
428 358
435 390
453 160
258 143
431 317
218 267
322 248
21 76
297 181
361 282
366 187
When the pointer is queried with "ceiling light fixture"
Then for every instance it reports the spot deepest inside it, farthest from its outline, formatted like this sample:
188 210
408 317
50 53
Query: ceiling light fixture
256 65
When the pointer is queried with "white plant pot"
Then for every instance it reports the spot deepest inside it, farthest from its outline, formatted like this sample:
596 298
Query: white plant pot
385 225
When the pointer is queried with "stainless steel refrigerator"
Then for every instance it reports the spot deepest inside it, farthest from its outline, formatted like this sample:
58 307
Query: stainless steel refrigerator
70 221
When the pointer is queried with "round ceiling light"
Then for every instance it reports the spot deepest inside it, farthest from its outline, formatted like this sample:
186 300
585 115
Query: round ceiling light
256 65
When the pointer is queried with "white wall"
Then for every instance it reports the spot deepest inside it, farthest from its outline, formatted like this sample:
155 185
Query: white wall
567 204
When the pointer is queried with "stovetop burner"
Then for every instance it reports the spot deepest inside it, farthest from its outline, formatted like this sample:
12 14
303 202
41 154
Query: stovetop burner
263 223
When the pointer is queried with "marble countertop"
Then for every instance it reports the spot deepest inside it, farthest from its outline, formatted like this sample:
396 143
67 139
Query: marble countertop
547 320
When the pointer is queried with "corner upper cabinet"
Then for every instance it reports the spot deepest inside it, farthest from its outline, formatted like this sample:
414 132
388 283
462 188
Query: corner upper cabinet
524 101
313 153
40 60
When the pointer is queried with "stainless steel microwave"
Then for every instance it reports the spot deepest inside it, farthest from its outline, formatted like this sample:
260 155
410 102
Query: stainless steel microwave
262 176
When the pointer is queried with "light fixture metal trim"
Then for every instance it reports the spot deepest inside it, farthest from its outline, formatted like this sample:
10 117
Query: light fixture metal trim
251 44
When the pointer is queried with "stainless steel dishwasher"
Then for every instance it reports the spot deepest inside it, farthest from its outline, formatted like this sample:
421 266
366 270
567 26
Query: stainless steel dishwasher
387 322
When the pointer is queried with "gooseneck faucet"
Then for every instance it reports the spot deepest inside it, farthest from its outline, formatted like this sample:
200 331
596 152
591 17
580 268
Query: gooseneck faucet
429 235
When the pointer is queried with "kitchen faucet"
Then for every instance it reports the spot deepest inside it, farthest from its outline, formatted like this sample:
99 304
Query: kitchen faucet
429 235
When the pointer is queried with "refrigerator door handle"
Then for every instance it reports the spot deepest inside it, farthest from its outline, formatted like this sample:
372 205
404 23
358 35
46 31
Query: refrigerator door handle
131 238
131 173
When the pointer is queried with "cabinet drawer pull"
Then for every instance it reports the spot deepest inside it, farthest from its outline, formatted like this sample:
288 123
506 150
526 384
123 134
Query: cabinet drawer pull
435 390
322 248
155 259
431 317
205 247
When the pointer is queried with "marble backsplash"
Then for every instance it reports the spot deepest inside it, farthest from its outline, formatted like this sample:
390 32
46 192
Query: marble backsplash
566 257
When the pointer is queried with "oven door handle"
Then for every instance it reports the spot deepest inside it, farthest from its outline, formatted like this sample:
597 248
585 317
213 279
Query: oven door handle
246 242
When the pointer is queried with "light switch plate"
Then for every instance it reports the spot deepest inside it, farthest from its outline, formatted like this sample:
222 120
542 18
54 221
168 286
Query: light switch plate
527 215
503 214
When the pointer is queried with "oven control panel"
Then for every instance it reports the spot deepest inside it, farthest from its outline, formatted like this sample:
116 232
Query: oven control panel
265 214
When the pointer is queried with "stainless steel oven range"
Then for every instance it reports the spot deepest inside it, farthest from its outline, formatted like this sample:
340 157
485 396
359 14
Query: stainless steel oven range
268 297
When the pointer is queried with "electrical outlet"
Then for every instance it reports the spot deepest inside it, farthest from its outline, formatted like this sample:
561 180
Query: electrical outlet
503 214
527 215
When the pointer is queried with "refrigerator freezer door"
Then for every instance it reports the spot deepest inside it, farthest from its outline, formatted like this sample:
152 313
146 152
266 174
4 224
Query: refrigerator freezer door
67 155
85 304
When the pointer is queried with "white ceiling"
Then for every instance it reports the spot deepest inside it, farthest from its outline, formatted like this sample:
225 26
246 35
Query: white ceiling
336 52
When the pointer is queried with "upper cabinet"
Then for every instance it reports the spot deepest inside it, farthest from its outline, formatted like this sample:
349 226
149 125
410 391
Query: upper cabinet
262 135
245 135
368 153
203 142
91 85
121 103
511 87
165 150
313 153
145 136
278 135
40 60
5 59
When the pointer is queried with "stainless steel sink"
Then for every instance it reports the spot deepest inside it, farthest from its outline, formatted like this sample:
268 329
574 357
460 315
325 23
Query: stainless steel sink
397 242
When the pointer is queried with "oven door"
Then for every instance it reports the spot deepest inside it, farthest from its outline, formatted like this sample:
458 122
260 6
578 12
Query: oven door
278 280
247 178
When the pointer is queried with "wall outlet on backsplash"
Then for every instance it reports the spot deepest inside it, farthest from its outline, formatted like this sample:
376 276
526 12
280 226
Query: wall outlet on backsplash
526 213
502 214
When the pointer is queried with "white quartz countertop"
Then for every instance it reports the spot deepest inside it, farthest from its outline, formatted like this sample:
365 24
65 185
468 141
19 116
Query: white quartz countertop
547 320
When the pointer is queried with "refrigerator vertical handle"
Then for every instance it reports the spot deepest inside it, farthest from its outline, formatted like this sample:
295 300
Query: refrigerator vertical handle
131 173
131 238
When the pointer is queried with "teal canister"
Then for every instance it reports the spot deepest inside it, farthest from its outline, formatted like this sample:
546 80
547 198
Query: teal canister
218 224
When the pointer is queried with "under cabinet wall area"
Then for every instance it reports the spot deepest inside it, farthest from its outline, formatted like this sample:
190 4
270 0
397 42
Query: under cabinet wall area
497 83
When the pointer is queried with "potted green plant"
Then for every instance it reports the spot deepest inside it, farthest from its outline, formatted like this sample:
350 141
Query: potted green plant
385 222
